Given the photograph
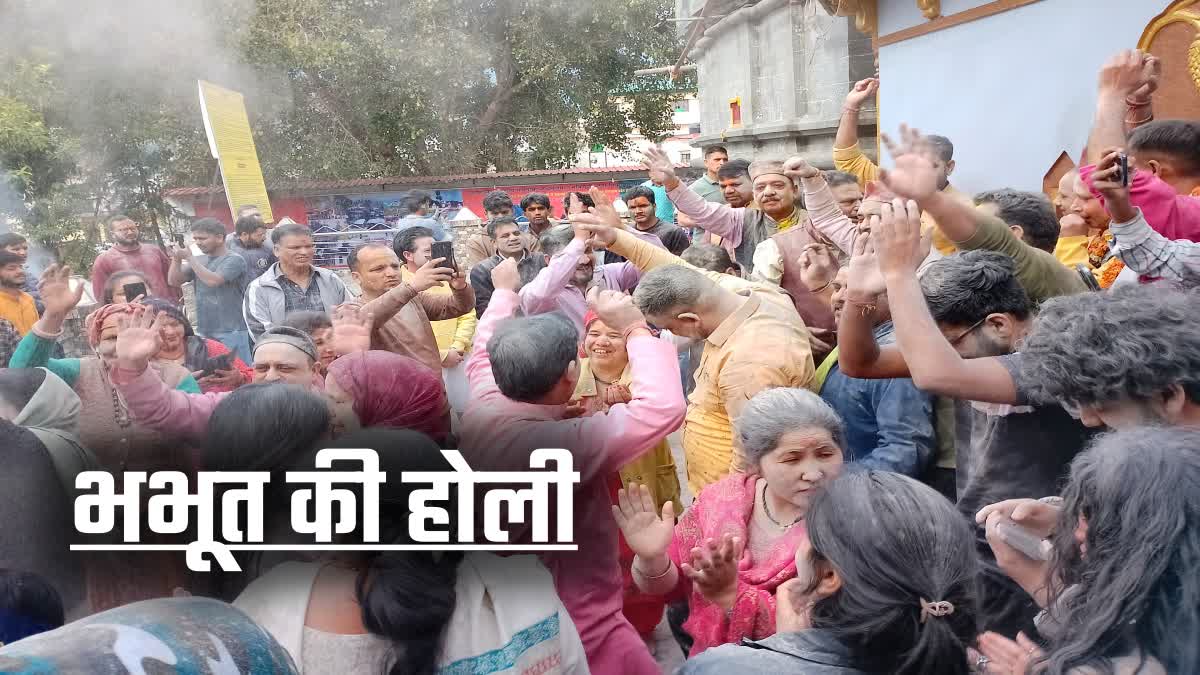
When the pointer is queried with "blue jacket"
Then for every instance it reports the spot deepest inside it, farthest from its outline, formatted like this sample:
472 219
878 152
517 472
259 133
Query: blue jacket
889 423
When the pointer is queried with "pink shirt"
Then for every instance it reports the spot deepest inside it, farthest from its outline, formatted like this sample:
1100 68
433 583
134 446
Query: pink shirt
155 405
1169 213
498 434
552 291
149 261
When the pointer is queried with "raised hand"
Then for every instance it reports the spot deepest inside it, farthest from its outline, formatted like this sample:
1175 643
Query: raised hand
57 295
1127 72
897 238
797 167
914 176
660 167
862 92
505 276
431 274
648 535
864 280
351 329
1151 74
615 309
818 267
602 222
138 338
714 570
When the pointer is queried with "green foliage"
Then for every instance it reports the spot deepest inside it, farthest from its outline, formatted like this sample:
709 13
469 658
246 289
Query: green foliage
99 111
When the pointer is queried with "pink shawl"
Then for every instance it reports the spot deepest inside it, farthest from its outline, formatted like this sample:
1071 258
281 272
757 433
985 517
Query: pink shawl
726 506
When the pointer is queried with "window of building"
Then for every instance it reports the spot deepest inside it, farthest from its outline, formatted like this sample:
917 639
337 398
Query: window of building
683 105
685 157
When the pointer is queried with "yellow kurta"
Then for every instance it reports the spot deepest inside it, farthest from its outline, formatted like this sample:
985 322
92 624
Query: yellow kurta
1072 251
656 468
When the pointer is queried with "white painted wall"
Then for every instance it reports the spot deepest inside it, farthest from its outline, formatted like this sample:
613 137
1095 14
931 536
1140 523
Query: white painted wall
1013 90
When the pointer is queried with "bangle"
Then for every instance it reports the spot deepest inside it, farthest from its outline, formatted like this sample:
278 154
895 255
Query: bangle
44 335
868 308
847 108
1148 118
636 326
1134 103
649 577
818 290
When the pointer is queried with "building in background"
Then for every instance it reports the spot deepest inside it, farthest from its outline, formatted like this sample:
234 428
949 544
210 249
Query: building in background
772 75
680 145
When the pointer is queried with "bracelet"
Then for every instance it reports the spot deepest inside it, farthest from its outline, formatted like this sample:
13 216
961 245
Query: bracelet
648 577
633 327
44 335
1134 103
847 108
818 290
1148 118
868 308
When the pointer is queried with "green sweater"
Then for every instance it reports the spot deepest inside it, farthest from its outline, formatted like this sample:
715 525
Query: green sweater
34 352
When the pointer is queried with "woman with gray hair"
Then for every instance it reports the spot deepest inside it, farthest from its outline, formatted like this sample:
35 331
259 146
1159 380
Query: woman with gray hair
737 543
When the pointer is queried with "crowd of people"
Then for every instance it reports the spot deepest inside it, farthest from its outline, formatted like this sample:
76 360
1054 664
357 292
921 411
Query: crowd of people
918 431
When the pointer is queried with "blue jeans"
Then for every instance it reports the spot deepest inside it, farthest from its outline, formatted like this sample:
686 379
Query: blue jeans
238 342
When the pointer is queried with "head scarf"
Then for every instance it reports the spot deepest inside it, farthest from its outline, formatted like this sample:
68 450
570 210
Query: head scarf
95 320
394 391
589 318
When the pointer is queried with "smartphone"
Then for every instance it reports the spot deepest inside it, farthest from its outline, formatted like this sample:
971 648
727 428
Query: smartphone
444 249
132 291
222 362
179 240
1123 169
1029 544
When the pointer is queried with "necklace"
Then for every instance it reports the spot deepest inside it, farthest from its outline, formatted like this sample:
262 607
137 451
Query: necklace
767 513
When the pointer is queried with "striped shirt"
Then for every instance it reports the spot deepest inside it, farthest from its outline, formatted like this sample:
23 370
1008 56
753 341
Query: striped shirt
1151 254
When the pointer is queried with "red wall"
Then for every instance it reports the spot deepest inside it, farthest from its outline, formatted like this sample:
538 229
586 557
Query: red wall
473 197
292 207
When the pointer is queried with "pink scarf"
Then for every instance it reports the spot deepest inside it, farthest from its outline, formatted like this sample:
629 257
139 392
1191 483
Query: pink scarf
393 391
727 506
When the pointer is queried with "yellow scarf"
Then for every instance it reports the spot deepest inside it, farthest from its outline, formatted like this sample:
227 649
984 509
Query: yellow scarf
790 220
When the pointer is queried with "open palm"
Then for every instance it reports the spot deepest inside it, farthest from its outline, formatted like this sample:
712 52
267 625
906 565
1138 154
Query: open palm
863 275
914 175
647 534
139 337
55 287
658 165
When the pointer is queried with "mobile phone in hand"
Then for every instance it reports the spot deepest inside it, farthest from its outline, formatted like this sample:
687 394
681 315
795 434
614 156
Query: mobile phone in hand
444 249
1122 176
1027 543
133 291
222 362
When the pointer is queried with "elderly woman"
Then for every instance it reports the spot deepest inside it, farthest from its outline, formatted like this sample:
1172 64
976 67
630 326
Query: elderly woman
737 543
105 427
604 381
215 367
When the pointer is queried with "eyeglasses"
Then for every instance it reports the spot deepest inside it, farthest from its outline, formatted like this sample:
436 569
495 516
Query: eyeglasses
975 326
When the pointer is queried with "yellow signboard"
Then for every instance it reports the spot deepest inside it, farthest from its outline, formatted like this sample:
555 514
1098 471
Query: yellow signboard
231 144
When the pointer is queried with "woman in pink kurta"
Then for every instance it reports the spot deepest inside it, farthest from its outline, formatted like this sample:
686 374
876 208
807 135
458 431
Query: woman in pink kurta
737 542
